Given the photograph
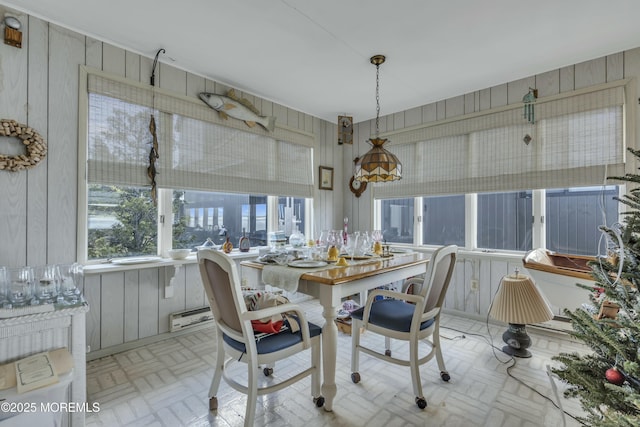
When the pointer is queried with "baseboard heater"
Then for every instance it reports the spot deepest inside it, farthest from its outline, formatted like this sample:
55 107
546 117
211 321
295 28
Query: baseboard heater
189 318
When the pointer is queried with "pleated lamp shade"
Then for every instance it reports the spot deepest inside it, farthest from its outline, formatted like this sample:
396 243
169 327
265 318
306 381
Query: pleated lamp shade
520 302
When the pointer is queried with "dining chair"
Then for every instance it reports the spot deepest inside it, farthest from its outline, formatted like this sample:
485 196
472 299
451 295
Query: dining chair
413 316
237 342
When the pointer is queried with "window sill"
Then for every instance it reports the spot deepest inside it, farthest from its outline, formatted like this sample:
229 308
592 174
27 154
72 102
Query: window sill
163 262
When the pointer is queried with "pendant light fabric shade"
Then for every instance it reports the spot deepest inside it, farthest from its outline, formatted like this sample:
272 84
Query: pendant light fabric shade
520 302
378 165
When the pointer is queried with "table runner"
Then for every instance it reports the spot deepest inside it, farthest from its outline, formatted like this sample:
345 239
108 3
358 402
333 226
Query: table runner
287 278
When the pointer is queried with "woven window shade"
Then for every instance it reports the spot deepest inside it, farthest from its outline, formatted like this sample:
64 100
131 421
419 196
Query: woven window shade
576 137
198 151
118 143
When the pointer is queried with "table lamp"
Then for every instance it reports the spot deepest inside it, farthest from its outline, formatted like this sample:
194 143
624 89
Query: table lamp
518 302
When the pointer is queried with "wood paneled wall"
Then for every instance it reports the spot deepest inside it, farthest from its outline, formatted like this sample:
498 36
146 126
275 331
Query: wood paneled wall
39 87
38 208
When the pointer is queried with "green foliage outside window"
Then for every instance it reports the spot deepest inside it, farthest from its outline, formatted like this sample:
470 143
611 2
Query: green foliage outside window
135 229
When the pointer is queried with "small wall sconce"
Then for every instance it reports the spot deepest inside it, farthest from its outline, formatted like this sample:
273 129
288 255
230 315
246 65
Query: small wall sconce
12 33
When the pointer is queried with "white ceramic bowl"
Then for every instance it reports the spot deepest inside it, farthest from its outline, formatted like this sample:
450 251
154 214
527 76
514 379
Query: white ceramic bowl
179 253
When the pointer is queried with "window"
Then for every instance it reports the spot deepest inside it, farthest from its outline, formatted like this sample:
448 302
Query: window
443 218
122 221
500 165
291 209
217 216
504 221
573 216
215 178
397 220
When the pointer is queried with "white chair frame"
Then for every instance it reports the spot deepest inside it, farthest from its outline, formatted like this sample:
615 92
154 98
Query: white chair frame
428 301
227 355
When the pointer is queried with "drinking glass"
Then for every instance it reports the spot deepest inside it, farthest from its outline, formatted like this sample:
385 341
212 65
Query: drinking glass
20 286
70 281
47 280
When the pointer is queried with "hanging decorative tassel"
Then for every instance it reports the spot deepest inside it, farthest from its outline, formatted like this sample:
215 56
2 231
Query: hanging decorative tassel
153 156
153 152
529 99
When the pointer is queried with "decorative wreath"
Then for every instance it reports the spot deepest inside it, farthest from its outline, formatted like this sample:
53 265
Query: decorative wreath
35 143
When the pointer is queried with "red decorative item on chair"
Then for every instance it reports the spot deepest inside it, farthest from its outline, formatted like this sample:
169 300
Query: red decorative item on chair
270 327
614 376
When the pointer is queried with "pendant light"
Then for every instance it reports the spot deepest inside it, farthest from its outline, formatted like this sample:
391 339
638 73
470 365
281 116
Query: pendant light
378 164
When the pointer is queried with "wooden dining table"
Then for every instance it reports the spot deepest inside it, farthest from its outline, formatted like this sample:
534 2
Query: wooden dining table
331 285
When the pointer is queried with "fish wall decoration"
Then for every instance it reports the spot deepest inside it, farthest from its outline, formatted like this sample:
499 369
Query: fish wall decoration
238 108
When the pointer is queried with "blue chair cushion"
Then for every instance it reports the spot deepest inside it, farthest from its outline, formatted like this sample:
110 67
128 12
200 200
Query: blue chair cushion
275 342
391 314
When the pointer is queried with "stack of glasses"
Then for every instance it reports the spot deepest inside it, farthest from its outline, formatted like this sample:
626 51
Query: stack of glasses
47 284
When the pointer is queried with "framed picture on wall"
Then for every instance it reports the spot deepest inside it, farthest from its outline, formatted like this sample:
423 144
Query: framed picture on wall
326 178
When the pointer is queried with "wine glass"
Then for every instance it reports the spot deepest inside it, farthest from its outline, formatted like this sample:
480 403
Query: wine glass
322 240
350 246
364 244
332 238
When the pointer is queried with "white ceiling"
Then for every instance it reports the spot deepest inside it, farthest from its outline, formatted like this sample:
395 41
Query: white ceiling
313 55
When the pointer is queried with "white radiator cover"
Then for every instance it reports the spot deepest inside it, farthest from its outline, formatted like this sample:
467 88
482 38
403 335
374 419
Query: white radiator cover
188 318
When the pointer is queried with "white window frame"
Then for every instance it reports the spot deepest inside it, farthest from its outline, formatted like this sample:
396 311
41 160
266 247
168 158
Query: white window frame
538 228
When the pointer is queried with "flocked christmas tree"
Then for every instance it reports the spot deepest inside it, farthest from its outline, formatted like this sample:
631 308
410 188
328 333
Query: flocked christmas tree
607 379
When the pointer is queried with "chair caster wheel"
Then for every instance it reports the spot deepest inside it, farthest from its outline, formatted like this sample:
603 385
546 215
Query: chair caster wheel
445 376
213 403
319 401
355 377
387 353
267 372
421 402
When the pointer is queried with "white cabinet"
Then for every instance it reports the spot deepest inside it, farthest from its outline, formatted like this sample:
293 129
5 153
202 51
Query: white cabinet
34 333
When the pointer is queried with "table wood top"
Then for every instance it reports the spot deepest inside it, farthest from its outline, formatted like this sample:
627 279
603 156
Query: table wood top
340 275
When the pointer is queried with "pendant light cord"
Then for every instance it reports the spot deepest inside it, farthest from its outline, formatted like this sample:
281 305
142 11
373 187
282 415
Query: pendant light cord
377 100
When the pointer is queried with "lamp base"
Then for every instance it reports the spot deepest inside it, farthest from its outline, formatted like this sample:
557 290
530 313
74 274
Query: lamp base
517 341
516 352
